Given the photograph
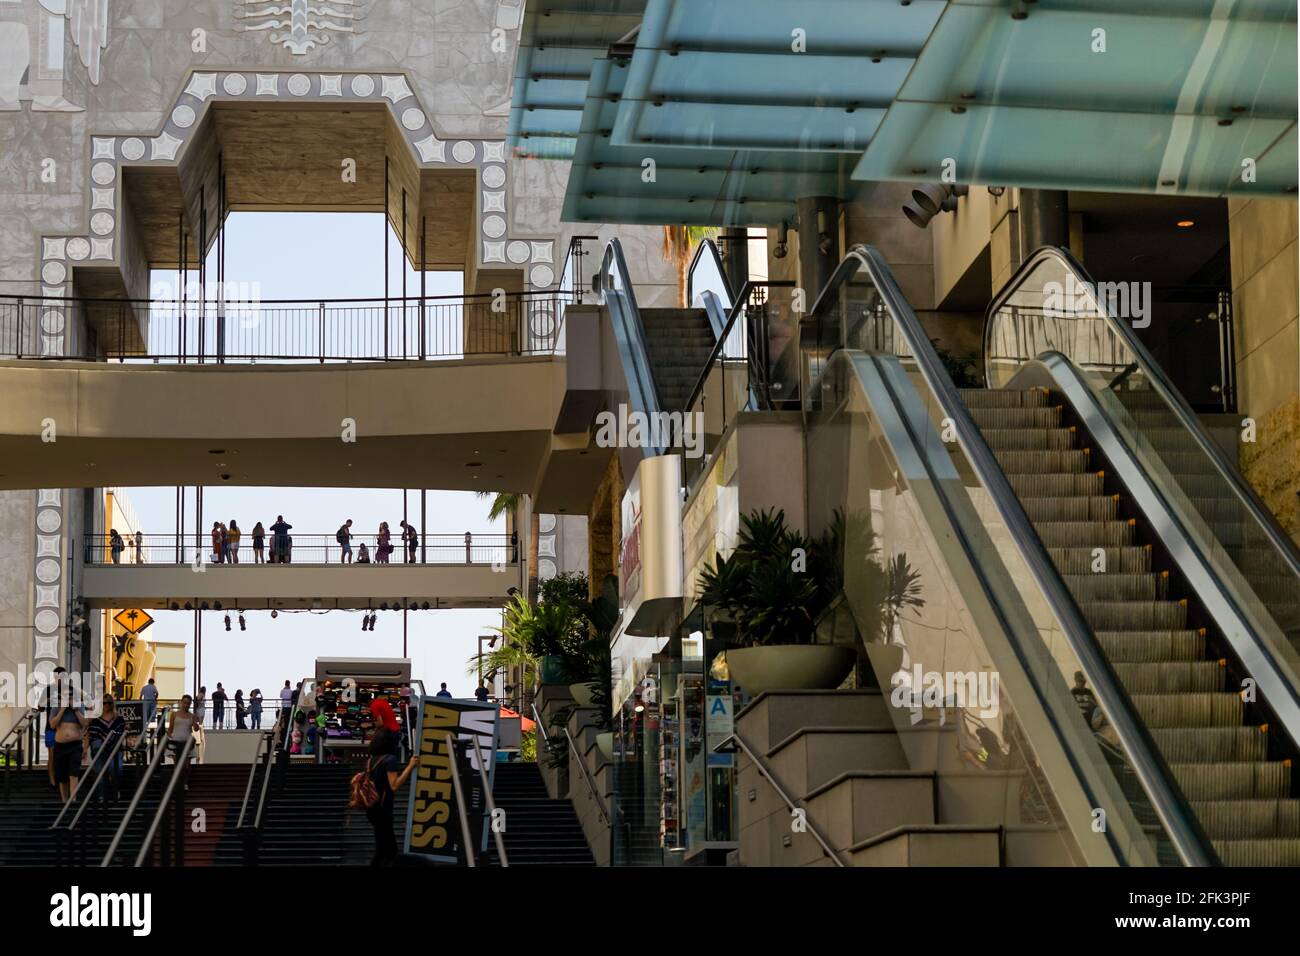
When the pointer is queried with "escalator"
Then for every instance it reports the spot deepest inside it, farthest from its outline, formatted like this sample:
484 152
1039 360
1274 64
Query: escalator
1076 531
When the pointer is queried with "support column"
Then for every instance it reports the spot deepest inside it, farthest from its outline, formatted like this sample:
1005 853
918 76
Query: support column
819 243
735 257
1044 219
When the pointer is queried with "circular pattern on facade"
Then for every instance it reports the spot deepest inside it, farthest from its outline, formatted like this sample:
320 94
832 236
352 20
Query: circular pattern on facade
47 621
494 176
541 322
494 227
183 116
546 569
47 570
517 251
52 322
299 85
49 520
101 224
546 523
132 148
542 277
413 119
463 151
103 173
78 248
363 85
235 84
53 273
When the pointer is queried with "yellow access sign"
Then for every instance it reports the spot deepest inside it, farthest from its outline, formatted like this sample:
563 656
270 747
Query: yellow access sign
133 620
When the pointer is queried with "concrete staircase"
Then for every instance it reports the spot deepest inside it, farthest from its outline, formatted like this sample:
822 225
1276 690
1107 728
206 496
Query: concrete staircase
881 795
1240 791
539 830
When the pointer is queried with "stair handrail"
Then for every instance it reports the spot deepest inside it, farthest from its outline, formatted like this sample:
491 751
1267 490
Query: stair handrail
178 775
265 737
17 727
765 772
134 805
1192 845
630 337
582 764
460 801
489 802
1161 383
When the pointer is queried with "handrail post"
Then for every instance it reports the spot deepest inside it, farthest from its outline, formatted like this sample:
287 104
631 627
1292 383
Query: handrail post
322 331
469 539
460 802
18 348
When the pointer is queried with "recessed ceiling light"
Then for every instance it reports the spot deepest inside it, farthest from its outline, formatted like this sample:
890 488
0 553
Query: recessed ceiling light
1186 223
473 464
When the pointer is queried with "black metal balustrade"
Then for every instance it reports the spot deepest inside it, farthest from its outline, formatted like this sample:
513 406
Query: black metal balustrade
281 330
307 549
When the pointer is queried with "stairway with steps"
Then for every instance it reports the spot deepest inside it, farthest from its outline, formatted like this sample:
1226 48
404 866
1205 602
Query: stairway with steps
1239 788
539 831
679 342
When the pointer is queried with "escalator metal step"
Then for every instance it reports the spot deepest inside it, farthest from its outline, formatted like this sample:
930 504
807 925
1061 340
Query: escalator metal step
1133 559
1171 677
1191 710
1211 745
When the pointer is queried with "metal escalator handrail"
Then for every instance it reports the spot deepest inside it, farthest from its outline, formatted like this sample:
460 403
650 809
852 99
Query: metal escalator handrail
1162 384
1233 622
490 802
709 248
765 772
737 310
182 768
460 802
1184 832
629 334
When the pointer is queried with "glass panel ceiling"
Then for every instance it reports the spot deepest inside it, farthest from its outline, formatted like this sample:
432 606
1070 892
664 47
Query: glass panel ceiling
1111 95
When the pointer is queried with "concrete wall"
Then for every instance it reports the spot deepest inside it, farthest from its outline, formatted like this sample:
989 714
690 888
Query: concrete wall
1265 306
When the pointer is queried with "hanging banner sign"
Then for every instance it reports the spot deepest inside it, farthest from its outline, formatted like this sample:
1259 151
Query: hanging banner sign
433 828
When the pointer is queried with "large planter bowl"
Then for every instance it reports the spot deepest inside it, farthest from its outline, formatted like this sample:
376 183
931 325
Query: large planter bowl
605 744
553 670
789 667
582 694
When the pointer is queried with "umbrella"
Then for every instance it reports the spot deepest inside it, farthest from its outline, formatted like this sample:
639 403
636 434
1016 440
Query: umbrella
525 724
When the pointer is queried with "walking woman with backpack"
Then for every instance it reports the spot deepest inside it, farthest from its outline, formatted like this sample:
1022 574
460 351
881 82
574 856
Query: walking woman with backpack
373 789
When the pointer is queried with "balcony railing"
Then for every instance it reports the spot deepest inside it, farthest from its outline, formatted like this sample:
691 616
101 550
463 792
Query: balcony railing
281 330
306 549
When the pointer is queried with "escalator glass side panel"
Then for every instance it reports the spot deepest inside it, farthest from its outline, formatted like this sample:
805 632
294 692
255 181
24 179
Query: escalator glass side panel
1052 306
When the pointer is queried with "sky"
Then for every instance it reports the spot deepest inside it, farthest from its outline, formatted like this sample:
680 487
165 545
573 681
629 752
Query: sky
317 255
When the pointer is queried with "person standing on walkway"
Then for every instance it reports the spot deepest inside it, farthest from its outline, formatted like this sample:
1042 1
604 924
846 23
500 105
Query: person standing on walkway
255 708
233 534
280 541
180 727
286 698
217 543
219 708
480 693
225 544
388 776
259 540
116 545
443 692
200 705
149 694
240 712
412 539
344 537
68 723
139 548
383 546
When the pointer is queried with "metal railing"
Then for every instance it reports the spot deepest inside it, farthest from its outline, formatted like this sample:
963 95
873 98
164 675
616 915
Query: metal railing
459 548
490 804
250 831
280 330
18 746
765 772
173 803
461 810
141 788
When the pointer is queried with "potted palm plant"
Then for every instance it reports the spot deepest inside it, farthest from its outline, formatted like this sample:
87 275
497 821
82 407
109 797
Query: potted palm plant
774 586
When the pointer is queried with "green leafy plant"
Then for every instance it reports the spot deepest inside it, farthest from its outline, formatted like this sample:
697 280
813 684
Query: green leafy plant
774 585
963 369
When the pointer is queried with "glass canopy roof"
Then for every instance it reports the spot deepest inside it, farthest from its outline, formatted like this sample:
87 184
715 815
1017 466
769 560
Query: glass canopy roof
747 105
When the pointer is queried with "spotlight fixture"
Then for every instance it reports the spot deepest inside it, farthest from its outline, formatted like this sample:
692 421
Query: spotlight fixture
216 605
175 606
512 592
189 606
203 606
227 622
274 613
242 625
384 606
1186 223
782 241
425 606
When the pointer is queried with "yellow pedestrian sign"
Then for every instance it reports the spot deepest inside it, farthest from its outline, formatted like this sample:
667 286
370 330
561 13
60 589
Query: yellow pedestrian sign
132 620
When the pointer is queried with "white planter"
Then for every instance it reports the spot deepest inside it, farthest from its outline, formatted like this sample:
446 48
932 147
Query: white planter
581 694
789 667
605 744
